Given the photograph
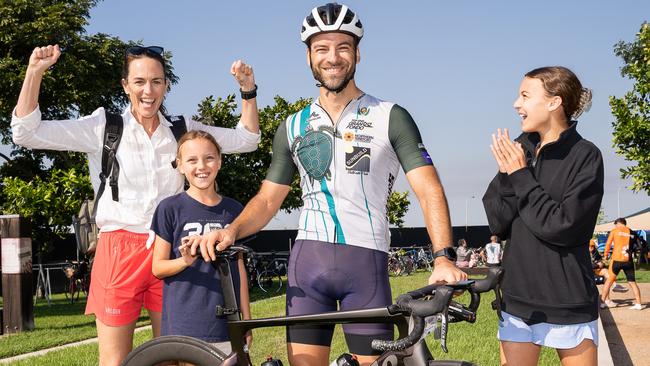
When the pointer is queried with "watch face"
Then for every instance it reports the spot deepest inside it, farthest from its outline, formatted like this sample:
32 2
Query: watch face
451 254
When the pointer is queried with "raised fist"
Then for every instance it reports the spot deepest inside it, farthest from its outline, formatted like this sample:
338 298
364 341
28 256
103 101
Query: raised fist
43 58
244 75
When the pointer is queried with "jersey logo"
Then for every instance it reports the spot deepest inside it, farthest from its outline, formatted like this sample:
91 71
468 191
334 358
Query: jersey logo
364 111
425 153
358 124
358 161
314 151
348 136
313 116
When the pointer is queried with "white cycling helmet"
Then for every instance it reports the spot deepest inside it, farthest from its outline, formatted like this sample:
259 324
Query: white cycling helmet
331 17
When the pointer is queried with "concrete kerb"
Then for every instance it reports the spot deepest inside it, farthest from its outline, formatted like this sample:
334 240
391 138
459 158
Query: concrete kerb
604 353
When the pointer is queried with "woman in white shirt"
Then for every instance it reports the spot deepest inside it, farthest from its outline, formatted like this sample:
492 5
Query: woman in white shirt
121 280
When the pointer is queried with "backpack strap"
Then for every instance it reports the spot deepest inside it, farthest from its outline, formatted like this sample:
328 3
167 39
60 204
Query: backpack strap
110 166
178 129
178 126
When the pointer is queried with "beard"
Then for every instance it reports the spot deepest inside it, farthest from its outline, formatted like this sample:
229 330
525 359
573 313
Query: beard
333 85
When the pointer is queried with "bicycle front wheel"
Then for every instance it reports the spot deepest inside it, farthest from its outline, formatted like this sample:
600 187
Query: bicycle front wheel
175 348
269 281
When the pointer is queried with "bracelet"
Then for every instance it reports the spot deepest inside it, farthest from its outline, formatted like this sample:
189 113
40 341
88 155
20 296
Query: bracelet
248 94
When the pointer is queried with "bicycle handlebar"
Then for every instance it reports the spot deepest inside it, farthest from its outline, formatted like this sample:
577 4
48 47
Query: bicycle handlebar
412 304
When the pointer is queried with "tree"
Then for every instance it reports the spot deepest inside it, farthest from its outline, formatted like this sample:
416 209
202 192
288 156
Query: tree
49 203
398 205
632 111
87 76
601 219
241 174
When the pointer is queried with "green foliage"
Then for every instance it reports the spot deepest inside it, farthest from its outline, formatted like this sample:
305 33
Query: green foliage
241 174
398 205
601 219
632 111
87 76
49 203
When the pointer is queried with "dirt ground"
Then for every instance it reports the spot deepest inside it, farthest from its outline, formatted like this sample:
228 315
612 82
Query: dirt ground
627 330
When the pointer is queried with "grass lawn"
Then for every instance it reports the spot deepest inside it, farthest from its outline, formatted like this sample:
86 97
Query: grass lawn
55 325
472 342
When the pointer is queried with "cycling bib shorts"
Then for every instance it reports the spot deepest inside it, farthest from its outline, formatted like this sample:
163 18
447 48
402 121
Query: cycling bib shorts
324 277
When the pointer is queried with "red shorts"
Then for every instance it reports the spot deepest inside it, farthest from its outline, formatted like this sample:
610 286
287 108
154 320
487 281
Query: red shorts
121 281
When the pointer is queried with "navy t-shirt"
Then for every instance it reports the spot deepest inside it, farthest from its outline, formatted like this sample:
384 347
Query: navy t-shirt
190 297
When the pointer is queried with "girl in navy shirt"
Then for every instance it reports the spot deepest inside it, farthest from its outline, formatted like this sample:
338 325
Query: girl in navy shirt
191 287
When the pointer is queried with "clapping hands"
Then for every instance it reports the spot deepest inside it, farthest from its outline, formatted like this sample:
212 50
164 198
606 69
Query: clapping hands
508 154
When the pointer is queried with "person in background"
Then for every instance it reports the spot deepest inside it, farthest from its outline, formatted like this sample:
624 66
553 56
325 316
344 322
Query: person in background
621 260
493 252
463 254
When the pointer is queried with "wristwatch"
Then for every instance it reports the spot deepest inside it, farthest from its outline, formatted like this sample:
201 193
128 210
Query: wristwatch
250 94
448 252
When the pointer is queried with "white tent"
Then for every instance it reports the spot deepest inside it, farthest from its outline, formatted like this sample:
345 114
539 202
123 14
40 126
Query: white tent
636 221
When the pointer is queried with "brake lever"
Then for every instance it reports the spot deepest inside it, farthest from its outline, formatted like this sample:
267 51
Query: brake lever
444 320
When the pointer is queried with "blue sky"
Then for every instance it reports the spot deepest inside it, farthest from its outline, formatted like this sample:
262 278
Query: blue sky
455 65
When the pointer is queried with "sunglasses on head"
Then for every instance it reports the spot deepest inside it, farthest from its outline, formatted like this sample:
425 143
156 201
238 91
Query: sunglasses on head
139 50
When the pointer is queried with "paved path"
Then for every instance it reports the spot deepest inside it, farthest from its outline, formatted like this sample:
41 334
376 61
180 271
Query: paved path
628 331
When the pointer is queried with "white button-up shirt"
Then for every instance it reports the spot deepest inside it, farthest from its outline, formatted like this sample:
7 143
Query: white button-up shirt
146 174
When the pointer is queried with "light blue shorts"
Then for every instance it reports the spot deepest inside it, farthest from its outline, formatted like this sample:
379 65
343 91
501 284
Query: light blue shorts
513 329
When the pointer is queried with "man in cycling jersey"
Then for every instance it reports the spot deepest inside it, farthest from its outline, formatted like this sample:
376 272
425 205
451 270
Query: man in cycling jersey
347 147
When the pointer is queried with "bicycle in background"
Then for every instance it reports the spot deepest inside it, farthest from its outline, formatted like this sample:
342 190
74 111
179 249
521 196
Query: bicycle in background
265 271
78 275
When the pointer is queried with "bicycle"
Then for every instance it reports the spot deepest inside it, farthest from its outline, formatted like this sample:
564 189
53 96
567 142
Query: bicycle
429 309
399 263
265 271
269 278
78 275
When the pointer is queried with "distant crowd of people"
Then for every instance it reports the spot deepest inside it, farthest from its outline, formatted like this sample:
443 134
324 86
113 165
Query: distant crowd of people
488 255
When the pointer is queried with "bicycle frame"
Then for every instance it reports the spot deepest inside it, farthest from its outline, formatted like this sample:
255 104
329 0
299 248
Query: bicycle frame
409 313
237 328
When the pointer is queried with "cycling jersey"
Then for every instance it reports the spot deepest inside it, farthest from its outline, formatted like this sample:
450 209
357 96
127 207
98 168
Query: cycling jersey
347 168
620 237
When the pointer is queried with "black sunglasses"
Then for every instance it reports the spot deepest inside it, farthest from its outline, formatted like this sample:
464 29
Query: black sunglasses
151 50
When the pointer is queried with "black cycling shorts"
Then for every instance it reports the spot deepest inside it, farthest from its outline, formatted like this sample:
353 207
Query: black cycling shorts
325 277
627 267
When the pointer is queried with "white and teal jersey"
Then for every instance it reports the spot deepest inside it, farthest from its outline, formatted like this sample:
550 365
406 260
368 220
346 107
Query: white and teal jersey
347 168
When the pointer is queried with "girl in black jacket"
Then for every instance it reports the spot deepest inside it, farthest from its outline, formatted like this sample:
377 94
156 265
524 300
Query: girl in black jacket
544 201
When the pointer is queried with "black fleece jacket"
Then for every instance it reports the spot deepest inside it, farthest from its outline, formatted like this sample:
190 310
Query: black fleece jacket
547 212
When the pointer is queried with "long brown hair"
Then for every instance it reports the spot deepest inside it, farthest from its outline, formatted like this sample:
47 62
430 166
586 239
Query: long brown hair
562 82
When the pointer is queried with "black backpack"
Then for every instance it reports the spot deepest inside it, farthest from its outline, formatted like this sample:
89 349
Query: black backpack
85 226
